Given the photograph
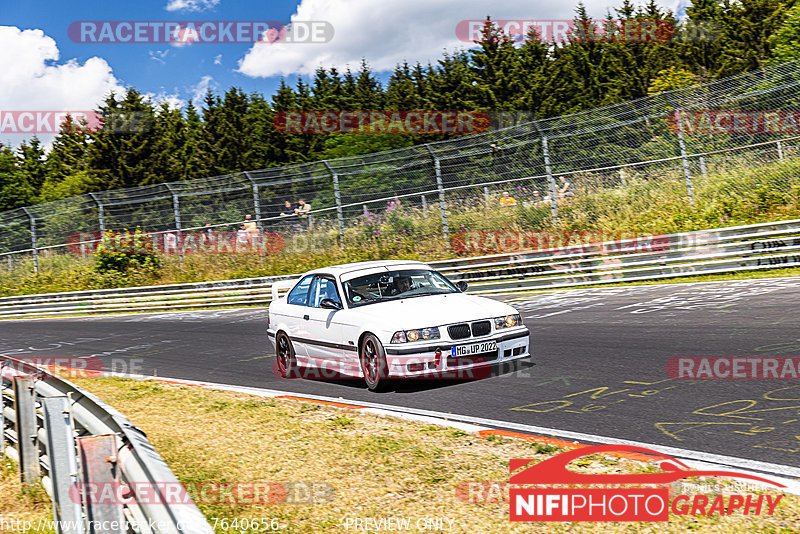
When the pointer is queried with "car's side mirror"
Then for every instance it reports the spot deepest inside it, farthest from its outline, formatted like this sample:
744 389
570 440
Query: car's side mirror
461 286
330 304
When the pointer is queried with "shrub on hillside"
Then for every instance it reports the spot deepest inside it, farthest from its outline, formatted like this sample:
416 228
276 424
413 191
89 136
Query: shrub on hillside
125 251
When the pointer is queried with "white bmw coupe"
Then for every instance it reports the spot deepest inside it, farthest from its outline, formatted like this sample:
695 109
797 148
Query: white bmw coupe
383 320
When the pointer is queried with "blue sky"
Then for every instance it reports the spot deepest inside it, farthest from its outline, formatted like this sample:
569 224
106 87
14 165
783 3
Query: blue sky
41 68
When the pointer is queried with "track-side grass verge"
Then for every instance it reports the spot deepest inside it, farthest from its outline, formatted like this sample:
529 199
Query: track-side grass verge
20 509
358 465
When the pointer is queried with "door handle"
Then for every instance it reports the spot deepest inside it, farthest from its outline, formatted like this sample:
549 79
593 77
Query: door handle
305 317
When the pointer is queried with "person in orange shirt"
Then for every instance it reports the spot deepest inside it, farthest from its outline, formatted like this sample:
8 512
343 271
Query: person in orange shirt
507 200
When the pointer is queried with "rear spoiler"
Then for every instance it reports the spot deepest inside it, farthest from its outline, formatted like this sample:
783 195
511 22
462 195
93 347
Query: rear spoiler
281 286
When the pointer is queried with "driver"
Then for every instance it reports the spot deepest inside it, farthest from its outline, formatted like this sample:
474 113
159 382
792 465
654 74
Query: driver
403 284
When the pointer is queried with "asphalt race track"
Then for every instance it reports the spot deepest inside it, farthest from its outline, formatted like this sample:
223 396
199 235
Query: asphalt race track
599 364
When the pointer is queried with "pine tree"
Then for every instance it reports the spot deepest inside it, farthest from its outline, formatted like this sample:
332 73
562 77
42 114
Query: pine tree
15 190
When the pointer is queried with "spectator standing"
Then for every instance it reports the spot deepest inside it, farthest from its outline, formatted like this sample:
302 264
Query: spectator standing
564 188
208 235
250 226
303 210
288 210
507 200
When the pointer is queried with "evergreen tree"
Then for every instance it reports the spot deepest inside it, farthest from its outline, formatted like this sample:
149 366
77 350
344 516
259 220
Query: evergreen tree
15 190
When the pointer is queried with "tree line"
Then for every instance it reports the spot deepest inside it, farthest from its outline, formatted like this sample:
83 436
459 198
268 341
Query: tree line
234 131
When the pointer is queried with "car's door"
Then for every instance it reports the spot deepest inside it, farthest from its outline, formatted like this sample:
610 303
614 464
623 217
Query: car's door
324 330
296 318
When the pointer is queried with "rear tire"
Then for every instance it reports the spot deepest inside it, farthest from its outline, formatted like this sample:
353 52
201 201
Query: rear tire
373 363
284 353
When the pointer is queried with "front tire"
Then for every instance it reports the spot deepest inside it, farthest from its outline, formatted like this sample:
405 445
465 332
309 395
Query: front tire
284 353
373 363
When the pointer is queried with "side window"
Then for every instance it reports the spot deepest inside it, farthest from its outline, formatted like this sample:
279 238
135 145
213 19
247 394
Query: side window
299 295
323 288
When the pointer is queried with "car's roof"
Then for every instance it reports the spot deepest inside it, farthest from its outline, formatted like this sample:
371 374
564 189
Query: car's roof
345 268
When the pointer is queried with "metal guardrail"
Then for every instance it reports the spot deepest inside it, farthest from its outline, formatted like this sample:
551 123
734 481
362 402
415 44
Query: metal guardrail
737 248
68 440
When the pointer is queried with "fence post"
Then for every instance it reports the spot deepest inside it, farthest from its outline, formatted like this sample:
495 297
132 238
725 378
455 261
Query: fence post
424 204
177 209
685 159
437 167
100 212
622 176
486 195
257 212
780 150
33 240
63 464
703 167
27 446
550 181
337 196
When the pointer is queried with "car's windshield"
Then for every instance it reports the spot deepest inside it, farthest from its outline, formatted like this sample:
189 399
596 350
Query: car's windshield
391 285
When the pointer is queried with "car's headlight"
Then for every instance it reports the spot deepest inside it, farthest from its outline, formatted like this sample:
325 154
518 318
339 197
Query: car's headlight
507 321
409 336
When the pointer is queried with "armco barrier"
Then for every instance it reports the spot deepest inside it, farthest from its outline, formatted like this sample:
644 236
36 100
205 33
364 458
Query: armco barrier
750 247
66 438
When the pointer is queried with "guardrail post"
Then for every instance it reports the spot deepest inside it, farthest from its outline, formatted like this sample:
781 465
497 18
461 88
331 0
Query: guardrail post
27 445
176 208
338 199
437 167
33 240
257 212
780 150
550 181
100 212
685 159
99 469
63 464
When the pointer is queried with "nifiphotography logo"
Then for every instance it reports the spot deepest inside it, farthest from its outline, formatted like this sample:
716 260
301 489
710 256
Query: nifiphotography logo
630 503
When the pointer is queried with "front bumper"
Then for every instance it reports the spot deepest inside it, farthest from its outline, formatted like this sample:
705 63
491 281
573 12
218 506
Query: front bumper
437 361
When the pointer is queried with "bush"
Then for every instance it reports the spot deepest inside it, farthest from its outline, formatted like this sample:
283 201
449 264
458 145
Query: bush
124 251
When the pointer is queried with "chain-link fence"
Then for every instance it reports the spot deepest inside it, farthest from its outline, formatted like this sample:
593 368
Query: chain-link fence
663 163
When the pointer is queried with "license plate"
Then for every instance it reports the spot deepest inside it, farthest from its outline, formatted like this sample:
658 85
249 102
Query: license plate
473 349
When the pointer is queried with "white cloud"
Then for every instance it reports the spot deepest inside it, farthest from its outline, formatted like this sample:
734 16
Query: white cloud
172 100
199 90
190 5
387 32
218 59
32 79
159 55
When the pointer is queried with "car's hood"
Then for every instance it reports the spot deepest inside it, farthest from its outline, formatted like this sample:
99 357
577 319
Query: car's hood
432 310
